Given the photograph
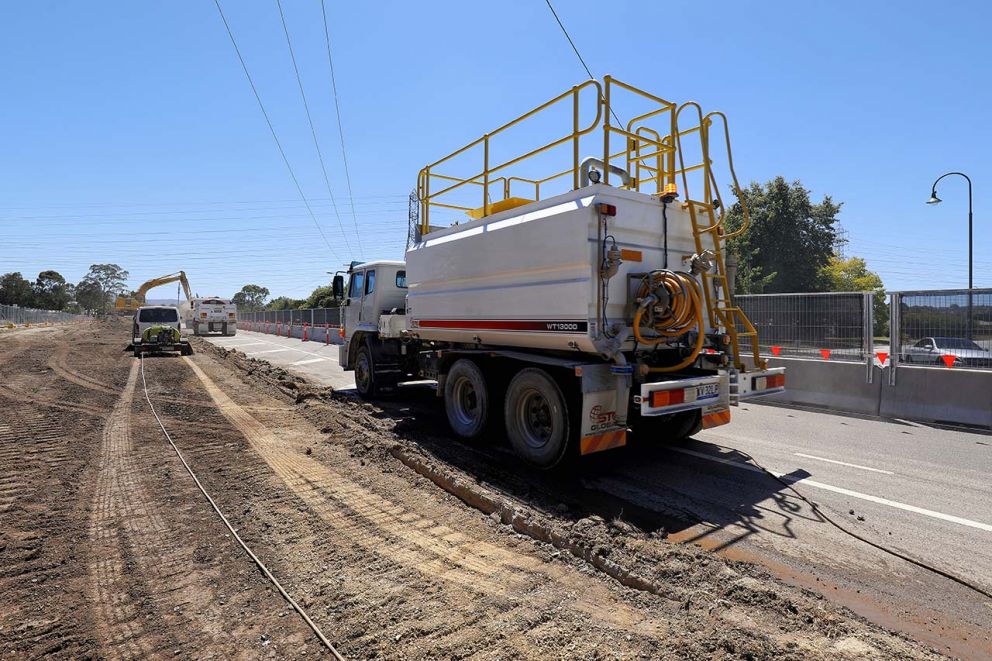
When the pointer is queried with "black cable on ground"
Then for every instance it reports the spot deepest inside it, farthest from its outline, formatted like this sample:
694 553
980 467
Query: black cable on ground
265 570
884 549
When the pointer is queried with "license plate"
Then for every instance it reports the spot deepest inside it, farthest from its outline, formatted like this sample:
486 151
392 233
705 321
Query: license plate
708 391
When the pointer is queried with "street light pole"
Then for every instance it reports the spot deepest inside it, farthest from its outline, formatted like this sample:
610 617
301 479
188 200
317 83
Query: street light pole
971 262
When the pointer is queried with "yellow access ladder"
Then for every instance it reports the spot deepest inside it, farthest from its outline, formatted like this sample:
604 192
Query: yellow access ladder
707 218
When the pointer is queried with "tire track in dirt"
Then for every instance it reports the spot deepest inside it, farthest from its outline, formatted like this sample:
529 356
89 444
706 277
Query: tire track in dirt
59 364
377 523
42 453
520 582
128 532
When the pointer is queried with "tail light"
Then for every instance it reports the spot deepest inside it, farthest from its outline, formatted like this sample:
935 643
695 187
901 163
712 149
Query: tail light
667 397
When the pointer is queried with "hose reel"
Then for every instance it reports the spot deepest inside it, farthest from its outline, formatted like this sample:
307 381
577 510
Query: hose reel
669 304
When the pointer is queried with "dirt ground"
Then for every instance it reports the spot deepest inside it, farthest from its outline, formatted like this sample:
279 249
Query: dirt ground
396 539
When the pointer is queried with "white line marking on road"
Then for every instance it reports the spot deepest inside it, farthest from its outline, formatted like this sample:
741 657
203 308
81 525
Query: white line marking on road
307 361
843 463
847 492
310 353
255 353
245 344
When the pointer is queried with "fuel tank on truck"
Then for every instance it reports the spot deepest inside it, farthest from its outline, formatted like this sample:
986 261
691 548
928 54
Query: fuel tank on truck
528 276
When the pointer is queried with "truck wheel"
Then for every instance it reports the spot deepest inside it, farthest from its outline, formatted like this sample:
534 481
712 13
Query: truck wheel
466 399
536 417
670 428
364 376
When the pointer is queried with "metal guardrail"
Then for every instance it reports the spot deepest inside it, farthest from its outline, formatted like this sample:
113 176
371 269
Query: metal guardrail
18 316
950 328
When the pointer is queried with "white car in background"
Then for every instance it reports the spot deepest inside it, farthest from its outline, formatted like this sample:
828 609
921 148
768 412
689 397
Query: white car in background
212 315
930 351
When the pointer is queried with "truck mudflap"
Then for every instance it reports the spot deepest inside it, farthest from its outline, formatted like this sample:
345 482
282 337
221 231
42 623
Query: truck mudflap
600 430
708 394
756 383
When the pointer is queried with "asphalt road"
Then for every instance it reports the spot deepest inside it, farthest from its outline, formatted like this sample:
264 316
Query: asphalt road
918 490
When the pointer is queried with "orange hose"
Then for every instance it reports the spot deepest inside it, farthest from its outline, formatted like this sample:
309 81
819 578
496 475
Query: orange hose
686 314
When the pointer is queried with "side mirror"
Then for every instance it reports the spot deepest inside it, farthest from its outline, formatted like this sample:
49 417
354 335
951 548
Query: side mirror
337 287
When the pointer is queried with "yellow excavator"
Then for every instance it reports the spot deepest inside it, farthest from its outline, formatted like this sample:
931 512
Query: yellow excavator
128 304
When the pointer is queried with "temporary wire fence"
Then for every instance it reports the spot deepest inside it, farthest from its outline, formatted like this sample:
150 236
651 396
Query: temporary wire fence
949 328
310 316
823 326
18 316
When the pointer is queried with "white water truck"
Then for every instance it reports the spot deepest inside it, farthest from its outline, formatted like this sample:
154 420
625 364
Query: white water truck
574 318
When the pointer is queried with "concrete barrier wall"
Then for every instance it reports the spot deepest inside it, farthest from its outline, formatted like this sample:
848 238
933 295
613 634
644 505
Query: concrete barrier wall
940 395
931 394
316 334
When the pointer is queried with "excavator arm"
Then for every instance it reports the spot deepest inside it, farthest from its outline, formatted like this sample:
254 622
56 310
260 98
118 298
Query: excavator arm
131 303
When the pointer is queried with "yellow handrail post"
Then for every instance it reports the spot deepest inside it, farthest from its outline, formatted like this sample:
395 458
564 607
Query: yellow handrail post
671 155
575 139
606 129
485 176
425 201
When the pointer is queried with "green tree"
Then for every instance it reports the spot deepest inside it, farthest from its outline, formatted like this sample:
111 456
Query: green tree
853 275
89 295
112 280
789 241
322 297
16 290
51 291
251 297
285 303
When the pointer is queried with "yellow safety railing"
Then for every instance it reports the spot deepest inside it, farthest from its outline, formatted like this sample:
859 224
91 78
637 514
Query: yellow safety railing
651 154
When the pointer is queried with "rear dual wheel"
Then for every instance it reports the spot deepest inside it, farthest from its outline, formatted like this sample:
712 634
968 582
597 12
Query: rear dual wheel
537 418
467 399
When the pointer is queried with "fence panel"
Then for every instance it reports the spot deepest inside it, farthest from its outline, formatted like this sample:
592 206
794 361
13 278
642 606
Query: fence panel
942 328
16 315
312 316
807 325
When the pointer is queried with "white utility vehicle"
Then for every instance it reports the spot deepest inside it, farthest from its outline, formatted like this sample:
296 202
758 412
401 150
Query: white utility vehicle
571 318
212 315
156 329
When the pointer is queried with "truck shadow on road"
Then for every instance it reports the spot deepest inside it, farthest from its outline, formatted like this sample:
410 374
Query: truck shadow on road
695 491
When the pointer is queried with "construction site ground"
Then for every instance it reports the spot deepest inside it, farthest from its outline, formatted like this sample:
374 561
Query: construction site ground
398 540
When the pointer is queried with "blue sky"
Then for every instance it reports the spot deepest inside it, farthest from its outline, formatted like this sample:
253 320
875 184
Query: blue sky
130 135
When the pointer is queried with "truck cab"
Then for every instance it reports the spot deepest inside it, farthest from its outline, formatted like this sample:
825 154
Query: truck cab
375 295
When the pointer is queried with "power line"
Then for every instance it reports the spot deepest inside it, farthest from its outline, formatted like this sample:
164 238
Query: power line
337 111
313 130
272 130
577 53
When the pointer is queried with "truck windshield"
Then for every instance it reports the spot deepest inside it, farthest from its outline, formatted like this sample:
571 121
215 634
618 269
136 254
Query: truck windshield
158 315
357 284
401 279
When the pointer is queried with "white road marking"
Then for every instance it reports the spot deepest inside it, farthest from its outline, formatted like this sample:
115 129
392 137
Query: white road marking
843 463
307 361
245 344
285 348
255 353
847 492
